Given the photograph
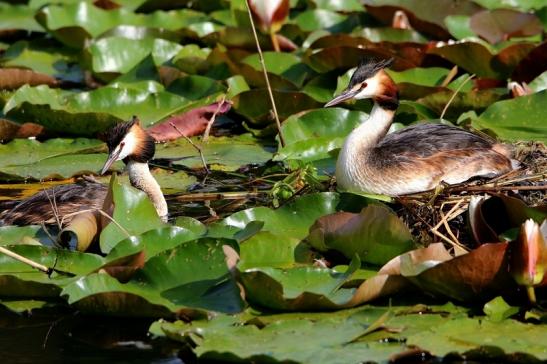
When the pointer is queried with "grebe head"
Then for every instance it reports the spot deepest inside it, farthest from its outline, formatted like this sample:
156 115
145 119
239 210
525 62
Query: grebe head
128 141
369 81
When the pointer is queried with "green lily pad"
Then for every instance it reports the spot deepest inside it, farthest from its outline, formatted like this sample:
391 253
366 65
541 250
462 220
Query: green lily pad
192 276
18 17
256 105
287 65
334 22
376 234
498 310
87 113
75 23
314 135
18 279
329 338
44 58
516 119
131 208
119 54
266 249
220 153
291 220
299 288
464 334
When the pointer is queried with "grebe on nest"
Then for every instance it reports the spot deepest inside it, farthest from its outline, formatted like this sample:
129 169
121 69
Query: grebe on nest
126 141
415 159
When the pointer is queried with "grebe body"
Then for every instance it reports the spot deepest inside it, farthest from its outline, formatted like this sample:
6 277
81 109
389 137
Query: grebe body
126 141
415 159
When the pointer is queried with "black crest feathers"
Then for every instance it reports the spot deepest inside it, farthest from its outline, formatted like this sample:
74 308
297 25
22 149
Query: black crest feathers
367 68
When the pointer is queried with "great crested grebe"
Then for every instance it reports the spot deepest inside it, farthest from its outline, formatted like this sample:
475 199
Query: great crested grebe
126 141
415 159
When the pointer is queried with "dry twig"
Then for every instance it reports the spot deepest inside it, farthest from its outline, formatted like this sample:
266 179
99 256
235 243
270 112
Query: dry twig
213 118
261 57
25 260
469 78
194 145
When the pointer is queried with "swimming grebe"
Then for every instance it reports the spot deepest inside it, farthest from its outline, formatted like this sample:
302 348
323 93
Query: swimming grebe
126 141
415 159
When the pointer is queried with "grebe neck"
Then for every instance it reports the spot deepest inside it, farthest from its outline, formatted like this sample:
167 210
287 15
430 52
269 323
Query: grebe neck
141 178
372 130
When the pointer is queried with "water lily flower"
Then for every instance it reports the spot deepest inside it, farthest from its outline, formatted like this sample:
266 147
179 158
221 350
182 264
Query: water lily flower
529 257
270 15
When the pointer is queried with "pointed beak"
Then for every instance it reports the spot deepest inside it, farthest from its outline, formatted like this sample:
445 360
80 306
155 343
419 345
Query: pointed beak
111 159
345 95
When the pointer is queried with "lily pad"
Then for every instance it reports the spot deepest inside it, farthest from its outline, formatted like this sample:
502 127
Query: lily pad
516 119
193 276
376 234
131 208
220 153
87 113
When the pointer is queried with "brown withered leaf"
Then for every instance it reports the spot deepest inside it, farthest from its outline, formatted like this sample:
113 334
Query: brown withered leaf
488 218
389 279
478 275
424 16
13 78
532 65
190 123
502 24
123 268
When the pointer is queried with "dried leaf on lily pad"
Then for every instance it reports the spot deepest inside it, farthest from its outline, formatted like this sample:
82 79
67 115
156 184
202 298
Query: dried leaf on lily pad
13 78
501 24
480 274
190 123
376 234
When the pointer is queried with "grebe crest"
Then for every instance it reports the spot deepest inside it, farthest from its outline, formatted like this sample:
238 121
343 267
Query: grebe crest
128 141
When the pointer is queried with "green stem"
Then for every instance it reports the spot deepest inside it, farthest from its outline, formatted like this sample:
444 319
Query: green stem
531 294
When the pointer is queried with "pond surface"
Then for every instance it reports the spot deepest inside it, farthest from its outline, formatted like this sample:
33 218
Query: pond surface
67 337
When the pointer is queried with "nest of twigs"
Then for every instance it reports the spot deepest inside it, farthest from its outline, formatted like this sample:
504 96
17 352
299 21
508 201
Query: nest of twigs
443 216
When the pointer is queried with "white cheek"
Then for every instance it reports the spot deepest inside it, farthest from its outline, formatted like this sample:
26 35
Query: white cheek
369 91
129 145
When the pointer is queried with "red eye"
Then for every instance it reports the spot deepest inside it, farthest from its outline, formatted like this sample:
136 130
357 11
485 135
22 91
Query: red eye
363 85
122 144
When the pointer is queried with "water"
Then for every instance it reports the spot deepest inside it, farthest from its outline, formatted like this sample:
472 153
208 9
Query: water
53 336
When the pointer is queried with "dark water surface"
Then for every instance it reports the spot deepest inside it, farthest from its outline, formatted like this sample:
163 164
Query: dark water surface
71 337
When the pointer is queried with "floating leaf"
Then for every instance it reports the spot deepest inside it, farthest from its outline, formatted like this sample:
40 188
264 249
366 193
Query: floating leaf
516 119
220 153
131 208
255 104
376 234
477 275
190 123
18 279
502 24
510 336
300 288
498 310
87 113
193 276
